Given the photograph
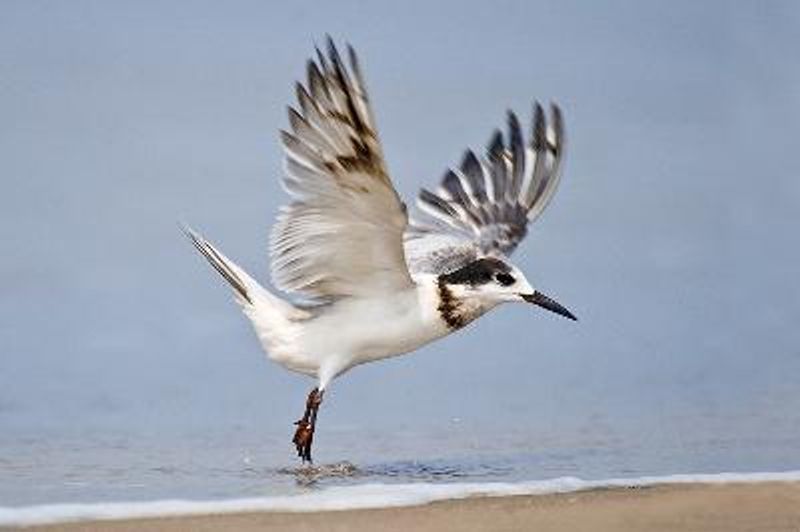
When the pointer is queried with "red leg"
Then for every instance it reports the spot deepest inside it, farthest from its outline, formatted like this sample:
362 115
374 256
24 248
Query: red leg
304 435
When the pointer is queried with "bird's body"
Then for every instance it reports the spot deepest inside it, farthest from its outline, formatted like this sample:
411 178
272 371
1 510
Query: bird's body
344 334
371 284
327 339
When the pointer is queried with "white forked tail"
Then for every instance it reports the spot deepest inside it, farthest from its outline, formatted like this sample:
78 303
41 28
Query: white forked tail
272 317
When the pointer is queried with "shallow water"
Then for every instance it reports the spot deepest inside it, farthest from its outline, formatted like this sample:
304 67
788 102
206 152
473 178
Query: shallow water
129 467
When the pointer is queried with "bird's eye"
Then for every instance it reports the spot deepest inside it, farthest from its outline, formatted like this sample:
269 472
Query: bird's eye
504 279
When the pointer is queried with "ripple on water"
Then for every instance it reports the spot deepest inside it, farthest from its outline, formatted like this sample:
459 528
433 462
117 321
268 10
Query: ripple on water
438 470
309 474
398 471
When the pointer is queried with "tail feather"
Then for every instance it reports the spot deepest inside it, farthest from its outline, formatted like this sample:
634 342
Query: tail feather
224 266
274 320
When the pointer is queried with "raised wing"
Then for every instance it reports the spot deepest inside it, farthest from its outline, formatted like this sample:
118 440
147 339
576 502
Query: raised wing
490 200
342 234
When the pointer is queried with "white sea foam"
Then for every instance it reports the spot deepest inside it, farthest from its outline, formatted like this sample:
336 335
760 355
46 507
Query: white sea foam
357 497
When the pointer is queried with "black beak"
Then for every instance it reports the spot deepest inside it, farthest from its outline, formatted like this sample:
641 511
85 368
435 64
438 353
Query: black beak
538 298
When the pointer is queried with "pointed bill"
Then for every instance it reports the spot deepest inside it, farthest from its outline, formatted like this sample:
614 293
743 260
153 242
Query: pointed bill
539 299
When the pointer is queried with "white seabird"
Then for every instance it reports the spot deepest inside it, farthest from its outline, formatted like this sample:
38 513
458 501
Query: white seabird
369 284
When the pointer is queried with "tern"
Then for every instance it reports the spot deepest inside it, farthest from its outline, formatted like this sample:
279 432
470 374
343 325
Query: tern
363 282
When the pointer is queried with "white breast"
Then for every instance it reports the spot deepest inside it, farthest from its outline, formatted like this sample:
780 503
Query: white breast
359 330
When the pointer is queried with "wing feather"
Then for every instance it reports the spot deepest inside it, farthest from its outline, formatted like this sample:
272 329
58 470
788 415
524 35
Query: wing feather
342 234
490 200
474 172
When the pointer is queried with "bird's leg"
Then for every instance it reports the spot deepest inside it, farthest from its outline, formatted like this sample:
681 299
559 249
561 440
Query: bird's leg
304 435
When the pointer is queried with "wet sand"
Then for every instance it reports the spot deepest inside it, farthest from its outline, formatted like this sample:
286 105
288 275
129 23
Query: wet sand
696 507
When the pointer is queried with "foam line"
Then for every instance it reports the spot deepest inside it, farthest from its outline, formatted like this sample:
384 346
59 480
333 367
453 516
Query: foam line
356 497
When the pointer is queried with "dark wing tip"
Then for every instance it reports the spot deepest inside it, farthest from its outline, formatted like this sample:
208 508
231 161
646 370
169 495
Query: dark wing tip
558 126
495 146
514 131
469 162
539 128
355 66
351 54
293 115
323 63
333 52
513 121
313 73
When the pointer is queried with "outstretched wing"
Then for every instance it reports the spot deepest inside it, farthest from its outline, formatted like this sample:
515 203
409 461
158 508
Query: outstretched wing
342 234
490 200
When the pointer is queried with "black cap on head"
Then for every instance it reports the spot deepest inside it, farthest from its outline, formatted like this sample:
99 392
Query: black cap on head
477 272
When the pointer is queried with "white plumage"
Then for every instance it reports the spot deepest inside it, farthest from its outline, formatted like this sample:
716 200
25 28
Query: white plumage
369 284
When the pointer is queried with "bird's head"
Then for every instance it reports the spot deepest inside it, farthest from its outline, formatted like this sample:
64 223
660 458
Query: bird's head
488 281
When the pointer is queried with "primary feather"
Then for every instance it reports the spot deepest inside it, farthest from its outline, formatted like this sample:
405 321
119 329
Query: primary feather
342 234
487 202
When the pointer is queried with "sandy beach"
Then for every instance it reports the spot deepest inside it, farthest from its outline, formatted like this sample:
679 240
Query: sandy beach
773 506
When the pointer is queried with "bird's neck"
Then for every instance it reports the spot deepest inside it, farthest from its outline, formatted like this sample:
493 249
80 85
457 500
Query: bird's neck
455 308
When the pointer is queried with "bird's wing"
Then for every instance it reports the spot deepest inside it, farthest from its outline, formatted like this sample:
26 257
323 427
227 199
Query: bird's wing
488 201
437 251
342 233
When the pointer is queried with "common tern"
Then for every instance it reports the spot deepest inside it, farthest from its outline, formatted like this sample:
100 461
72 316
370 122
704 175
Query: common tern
364 282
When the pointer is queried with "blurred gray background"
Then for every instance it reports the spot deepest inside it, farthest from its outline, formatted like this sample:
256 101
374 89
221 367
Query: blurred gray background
673 236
